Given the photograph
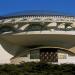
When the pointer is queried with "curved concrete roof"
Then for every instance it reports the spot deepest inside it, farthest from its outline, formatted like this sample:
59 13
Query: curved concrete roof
37 40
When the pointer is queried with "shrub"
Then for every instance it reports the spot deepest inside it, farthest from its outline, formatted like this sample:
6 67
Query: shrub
37 69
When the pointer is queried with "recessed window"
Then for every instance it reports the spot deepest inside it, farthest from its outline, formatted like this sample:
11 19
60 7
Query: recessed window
36 19
34 27
35 54
6 29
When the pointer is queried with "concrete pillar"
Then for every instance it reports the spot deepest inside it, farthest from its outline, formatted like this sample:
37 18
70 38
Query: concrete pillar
24 26
52 26
62 25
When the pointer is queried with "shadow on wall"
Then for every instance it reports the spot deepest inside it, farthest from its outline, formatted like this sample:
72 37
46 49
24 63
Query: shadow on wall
9 47
7 29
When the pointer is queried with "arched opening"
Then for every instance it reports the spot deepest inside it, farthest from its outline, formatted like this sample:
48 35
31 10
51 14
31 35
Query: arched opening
6 29
35 27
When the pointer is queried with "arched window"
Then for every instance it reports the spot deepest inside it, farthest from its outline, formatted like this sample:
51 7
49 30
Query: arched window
6 29
34 27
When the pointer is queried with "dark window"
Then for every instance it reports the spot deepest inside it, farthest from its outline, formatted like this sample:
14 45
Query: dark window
37 19
5 29
35 54
34 27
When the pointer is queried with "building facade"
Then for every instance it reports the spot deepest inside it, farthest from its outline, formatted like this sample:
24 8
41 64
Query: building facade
38 38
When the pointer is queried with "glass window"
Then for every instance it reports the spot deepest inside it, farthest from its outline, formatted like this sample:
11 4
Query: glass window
35 54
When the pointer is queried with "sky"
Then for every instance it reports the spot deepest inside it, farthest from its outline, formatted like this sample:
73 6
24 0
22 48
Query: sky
10 6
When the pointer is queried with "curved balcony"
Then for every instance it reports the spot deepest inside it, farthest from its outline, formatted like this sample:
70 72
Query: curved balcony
31 38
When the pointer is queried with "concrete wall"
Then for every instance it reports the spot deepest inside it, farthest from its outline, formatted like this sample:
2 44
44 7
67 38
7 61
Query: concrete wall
4 56
7 51
68 57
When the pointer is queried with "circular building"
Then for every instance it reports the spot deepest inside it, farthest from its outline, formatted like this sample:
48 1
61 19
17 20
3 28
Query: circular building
38 37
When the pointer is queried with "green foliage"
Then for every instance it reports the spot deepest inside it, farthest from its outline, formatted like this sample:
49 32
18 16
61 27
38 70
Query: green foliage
37 69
